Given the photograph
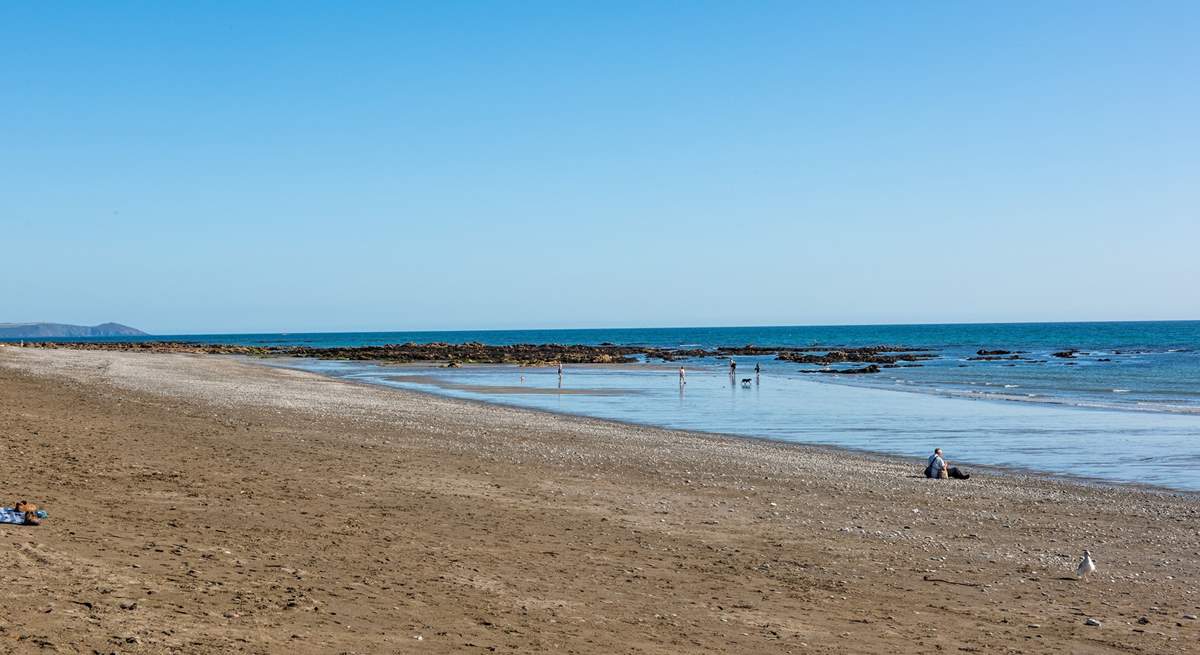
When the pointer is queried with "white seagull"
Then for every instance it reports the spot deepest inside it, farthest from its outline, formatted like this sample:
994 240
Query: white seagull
1086 566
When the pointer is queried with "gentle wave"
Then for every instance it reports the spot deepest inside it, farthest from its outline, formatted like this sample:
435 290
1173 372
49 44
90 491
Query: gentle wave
1140 407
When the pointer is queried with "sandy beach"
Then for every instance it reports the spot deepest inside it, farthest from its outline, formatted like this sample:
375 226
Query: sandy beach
201 504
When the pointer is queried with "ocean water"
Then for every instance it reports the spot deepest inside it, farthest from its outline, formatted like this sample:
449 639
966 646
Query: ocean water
1126 408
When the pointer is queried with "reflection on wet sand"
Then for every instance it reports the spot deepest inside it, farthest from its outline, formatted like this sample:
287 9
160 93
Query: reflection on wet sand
442 383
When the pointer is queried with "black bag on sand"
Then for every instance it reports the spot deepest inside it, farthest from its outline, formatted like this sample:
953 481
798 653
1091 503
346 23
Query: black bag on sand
958 475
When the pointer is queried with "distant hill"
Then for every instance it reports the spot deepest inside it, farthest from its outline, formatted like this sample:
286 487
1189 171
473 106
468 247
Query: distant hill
42 330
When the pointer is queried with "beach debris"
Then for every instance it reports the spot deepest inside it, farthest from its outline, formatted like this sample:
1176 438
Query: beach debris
1086 566
1190 617
928 578
1093 622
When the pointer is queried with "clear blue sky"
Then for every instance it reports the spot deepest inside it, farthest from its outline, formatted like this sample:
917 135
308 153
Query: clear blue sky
293 166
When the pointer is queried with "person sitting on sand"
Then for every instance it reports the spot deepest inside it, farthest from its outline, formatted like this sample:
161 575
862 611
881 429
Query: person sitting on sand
939 468
22 513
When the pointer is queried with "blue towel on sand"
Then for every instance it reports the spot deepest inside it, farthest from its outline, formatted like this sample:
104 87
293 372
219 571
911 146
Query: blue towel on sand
10 515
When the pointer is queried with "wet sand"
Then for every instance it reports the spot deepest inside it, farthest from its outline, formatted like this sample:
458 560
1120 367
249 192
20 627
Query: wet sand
204 505
442 383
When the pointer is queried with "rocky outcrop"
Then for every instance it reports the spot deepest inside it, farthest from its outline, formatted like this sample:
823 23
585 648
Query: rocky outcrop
467 353
873 368
521 354
873 355
475 353
186 347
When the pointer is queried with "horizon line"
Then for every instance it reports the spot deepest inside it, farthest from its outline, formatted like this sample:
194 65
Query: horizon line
686 327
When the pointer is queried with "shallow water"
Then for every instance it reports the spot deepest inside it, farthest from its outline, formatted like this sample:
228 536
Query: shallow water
1155 448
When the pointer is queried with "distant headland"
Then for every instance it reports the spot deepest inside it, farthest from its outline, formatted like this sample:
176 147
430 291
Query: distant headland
39 330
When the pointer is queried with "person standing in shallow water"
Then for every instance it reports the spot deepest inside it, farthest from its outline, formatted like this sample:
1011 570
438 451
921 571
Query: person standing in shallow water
682 377
732 366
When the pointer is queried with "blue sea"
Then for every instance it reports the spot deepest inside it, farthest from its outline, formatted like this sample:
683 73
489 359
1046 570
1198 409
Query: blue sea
1125 408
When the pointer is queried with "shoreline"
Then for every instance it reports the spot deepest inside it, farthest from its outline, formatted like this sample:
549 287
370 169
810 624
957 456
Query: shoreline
1027 474
403 514
1022 474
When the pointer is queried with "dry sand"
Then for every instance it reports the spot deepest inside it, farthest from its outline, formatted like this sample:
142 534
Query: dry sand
204 505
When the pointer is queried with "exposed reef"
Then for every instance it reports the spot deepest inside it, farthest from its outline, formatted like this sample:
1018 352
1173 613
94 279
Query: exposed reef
464 353
873 368
870 354
522 354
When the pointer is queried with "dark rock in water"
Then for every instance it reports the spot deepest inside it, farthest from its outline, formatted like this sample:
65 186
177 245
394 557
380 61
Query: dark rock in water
985 353
873 368
475 353
1104 359
872 354
1066 354
470 353
454 355
992 358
